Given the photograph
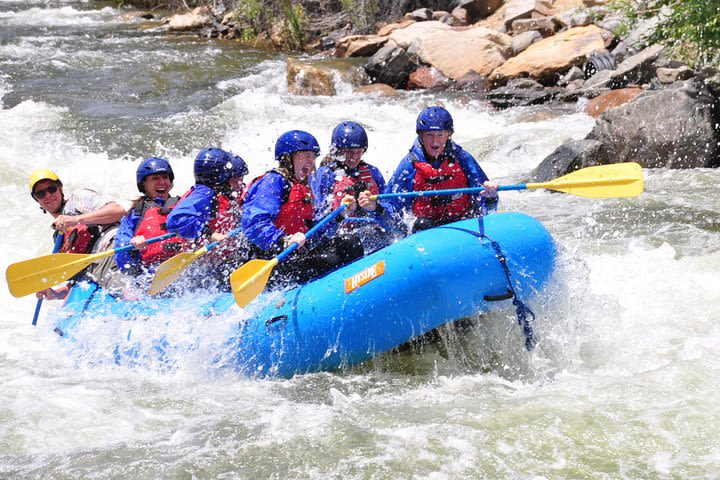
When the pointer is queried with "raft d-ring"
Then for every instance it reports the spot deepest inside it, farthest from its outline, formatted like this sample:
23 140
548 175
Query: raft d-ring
276 320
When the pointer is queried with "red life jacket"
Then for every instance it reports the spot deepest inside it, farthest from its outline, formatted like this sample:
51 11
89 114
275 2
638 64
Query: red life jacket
442 207
344 185
80 239
223 217
152 223
296 210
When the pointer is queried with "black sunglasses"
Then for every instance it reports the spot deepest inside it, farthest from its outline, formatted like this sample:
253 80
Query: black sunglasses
40 194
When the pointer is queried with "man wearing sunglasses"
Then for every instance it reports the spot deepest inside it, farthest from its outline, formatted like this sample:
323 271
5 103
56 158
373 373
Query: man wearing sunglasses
85 219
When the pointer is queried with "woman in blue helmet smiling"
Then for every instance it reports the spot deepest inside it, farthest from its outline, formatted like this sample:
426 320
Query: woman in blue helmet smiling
147 219
435 162
280 208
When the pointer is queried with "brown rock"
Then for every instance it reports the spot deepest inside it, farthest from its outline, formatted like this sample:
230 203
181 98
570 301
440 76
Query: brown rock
388 29
188 21
544 25
403 37
457 52
304 79
611 99
426 77
517 9
547 58
359 45
377 88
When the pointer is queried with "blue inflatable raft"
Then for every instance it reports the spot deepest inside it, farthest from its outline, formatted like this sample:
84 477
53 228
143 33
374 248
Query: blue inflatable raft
355 313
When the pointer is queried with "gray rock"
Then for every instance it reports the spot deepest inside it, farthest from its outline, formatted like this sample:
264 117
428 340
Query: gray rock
570 156
422 14
522 41
478 9
673 127
637 69
672 75
390 65
573 74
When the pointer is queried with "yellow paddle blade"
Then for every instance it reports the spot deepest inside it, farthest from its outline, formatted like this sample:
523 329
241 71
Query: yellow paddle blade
602 181
170 269
36 274
249 280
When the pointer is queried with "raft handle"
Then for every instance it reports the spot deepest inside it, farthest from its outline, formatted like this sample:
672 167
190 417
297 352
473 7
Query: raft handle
496 298
279 318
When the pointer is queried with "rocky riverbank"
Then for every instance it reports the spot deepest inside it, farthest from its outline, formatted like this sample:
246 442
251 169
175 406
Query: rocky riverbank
649 107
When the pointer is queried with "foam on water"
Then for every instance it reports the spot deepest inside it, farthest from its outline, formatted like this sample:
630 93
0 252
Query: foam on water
57 17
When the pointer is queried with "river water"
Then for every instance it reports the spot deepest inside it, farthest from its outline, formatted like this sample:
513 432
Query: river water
623 383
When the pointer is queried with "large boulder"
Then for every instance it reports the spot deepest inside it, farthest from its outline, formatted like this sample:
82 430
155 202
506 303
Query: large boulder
403 37
390 65
304 79
458 52
548 58
570 156
675 128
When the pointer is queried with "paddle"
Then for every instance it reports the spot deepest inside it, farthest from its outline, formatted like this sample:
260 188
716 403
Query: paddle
37 274
170 269
249 280
602 181
58 244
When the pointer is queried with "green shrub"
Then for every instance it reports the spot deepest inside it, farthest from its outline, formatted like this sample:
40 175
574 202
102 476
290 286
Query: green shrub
689 28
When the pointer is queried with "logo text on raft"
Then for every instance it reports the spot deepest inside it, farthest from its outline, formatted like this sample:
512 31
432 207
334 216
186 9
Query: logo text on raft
363 277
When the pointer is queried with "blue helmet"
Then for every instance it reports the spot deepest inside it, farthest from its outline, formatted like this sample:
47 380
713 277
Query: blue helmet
295 141
434 119
213 166
152 165
349 135
239 168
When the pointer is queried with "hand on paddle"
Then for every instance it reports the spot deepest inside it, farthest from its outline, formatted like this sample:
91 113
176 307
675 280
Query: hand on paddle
139 242
351 203
53 293
367 201
298 238
63 222
217 237
491 189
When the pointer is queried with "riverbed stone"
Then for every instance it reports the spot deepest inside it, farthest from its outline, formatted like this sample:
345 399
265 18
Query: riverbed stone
674 127
458 52
570 156
359 45
519 9
304 79
611 99
548 58
189 21
637 69
391 65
